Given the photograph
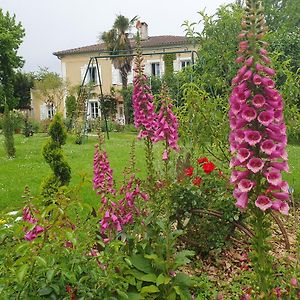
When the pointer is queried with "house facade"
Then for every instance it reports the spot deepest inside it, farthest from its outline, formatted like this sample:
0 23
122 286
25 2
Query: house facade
75 68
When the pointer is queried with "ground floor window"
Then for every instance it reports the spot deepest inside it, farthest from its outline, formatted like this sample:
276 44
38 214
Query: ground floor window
185 63
94 110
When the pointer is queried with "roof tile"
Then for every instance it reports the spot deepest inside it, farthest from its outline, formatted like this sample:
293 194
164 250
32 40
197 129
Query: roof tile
154 41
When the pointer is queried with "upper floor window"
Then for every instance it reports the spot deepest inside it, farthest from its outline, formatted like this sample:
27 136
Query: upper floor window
92 75
155 69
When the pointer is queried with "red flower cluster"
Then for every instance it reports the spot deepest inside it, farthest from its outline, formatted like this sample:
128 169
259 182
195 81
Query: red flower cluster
205 164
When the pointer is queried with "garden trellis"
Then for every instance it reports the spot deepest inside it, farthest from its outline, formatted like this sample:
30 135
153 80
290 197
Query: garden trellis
93 61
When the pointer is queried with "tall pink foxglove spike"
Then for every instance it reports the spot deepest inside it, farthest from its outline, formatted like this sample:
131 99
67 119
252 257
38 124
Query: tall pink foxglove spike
258 133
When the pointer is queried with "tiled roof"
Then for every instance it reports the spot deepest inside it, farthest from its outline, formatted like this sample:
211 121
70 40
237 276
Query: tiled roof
151 42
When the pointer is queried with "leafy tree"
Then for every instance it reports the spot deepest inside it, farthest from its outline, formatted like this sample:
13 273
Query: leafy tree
51 87
217 53
117 42
11 36
23 83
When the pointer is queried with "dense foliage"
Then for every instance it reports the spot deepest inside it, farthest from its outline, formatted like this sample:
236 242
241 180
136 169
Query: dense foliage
11 36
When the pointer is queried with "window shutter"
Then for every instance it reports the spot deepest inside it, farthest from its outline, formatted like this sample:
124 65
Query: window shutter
100 74
88 112
176 65
43 112
148 69
82 72
162 68
130 75
116 75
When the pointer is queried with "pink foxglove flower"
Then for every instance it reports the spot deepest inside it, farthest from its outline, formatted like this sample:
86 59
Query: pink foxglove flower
263 202
258 133
145 117
103 174
167 123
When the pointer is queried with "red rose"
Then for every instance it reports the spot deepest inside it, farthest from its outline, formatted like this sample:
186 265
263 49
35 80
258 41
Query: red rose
189 171
208 167
197 180
202 160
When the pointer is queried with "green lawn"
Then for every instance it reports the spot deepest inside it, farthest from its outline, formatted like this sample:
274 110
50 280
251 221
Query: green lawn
29 167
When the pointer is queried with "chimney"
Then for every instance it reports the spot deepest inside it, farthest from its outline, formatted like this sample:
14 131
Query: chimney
144 31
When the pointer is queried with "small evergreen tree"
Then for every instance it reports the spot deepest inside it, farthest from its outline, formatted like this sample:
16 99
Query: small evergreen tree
53 155
8 130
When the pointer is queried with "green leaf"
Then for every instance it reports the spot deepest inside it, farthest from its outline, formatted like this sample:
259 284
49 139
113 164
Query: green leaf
172 296
181 257
160 279
134 296
137 274
50 274
183 279
149 277
149 289
122 294
131 280
41 261
141 263
21 273
47 290
151 256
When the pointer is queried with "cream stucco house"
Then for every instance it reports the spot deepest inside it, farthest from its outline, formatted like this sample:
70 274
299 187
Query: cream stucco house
74 66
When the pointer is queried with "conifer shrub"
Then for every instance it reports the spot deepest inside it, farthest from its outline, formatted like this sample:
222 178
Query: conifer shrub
53 154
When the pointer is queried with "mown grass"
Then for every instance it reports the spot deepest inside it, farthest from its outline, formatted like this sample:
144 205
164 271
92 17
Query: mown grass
29 167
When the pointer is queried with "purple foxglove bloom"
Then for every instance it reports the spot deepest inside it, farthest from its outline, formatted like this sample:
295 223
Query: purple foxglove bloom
255 164
263 202
258 133
252 137
249 114
243 154
258 101
281 206
145 117
268 146
245 185
242 201
266 117
274 177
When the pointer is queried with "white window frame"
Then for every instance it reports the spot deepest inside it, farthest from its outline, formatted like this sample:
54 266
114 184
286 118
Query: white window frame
185 62
50 111
93 109
156 69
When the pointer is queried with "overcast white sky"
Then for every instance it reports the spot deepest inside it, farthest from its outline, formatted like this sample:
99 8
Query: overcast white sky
53 25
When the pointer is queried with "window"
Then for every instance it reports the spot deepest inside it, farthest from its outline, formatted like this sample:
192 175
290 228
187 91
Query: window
92 75
94 110
50 112
155 69
185 63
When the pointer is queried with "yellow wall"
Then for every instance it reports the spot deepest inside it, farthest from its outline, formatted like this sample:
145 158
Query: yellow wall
73 65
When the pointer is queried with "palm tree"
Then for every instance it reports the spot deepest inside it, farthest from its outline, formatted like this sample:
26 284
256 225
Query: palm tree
117 42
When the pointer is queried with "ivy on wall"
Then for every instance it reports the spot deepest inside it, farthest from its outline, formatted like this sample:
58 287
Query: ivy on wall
168 60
